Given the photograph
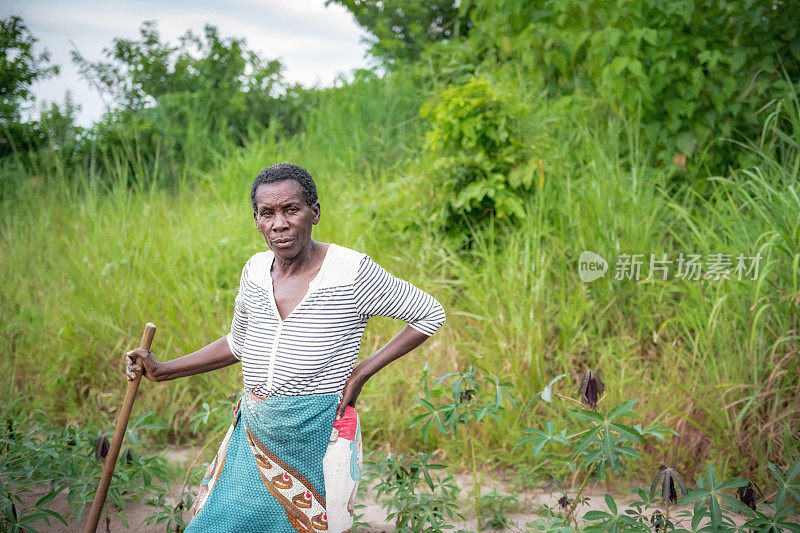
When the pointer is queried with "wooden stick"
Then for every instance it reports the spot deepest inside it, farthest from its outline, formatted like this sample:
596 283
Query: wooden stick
119 435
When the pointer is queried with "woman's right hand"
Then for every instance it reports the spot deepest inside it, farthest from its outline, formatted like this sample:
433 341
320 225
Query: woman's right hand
138 358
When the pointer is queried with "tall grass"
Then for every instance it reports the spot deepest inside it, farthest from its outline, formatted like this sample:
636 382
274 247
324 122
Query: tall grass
86 266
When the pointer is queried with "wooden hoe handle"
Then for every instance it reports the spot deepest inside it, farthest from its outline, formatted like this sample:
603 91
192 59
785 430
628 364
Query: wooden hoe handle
119 434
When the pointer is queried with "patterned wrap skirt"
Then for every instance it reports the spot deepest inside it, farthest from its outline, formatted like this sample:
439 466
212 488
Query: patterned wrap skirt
285 465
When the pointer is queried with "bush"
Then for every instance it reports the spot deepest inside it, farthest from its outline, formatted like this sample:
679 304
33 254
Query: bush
481 166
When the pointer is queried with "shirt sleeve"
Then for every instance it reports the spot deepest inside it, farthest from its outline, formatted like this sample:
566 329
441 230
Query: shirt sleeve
379 293
239 322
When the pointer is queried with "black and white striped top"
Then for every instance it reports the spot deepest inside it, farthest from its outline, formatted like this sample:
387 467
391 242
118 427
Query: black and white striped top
314 350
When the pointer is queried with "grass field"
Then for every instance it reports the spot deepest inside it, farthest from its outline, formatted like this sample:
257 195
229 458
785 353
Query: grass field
85 264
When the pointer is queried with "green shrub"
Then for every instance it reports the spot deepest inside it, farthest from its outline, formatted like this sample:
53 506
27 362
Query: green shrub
481 166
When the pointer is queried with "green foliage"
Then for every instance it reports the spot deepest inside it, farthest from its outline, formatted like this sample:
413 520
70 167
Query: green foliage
219 416
597 449
694 72
715 507
710 493
601 446
471 397
37 453
20 67
495 507
143 72
611 521
170 514
481 165
174 106
788 484
401 29
416 497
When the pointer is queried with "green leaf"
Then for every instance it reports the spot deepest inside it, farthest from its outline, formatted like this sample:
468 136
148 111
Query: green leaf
611 503
788 485
49 496
583 414
594 516
547 393
42 513
425 403
623 409
628 433
587 440
419 418
609 450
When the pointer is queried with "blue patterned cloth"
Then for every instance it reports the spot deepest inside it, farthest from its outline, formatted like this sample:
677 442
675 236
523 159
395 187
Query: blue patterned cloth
270 478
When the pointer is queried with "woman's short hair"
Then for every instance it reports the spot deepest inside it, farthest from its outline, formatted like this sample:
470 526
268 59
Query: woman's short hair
286 171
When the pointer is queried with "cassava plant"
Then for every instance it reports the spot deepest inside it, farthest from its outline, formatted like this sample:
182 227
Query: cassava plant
36 452
417 498
715 505
599 447
464 398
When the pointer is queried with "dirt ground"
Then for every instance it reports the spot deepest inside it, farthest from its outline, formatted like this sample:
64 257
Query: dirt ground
373 514
530 501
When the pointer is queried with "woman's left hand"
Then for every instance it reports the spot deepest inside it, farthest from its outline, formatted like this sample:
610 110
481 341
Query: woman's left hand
351 391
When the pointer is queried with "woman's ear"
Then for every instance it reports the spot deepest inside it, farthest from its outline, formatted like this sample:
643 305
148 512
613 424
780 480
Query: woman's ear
317 212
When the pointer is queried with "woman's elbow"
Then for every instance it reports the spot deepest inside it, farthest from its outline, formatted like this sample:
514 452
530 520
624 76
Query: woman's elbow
438 314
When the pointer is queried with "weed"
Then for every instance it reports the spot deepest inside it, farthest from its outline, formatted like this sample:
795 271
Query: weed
496 506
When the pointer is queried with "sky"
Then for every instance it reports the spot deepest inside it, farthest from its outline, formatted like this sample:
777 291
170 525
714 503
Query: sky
314 42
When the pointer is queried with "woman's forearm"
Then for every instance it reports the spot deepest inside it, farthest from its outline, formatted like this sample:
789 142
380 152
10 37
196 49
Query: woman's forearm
210 357
402 343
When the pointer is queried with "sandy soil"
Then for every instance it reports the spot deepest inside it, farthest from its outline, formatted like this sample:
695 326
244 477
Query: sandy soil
373 513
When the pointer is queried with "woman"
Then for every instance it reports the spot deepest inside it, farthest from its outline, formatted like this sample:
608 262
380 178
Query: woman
291 458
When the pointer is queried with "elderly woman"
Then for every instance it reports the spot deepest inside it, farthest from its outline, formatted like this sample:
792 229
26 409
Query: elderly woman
291 459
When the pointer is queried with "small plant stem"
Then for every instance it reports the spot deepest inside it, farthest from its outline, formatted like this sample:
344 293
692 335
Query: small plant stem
574 505
567 397
579 433
476 488
20 458
765 498
666 518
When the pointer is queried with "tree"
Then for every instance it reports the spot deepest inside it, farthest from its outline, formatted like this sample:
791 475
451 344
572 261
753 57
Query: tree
171 101
139 73
20 67
402 28
695 72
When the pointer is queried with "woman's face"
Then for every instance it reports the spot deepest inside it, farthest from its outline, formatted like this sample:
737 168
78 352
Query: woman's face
284 218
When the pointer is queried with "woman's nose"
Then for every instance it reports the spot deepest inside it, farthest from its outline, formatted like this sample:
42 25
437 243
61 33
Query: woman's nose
279 221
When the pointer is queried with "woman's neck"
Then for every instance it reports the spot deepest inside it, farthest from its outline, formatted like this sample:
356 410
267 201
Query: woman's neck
306 259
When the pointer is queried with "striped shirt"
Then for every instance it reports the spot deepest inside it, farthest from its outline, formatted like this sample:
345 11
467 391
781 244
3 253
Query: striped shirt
314 349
